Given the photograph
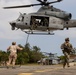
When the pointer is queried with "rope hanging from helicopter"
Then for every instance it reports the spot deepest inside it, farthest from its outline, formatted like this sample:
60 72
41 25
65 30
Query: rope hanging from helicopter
27 39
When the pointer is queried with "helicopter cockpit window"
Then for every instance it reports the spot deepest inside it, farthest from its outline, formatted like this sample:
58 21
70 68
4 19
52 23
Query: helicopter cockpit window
21 18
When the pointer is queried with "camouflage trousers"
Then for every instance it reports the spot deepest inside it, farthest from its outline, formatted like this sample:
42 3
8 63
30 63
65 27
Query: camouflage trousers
66 59
12 59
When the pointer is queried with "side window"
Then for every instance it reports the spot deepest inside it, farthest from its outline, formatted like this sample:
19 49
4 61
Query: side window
22 18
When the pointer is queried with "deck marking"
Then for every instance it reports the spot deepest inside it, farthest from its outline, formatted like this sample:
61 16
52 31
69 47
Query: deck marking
25 74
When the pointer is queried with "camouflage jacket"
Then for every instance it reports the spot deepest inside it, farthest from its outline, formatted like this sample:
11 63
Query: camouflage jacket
66 47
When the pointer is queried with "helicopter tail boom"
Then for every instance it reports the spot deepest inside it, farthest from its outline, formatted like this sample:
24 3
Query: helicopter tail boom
70 24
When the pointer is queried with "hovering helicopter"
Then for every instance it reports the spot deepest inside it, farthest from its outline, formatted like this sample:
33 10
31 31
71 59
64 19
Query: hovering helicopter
46 19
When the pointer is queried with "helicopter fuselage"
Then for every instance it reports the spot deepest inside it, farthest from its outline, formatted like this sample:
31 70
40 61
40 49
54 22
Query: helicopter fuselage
47 18
38 22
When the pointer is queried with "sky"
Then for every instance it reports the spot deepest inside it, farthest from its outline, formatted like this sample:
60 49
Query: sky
47 43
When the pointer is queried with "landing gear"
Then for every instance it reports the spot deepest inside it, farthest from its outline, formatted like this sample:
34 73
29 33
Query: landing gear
67 28
12 28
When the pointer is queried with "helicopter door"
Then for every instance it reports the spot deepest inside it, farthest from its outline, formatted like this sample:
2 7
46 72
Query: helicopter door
56 23
39 21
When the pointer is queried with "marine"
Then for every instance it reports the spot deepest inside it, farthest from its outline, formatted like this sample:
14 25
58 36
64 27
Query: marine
66 49
13 54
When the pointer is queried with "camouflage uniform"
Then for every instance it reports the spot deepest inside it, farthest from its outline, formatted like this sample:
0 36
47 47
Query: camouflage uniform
13 53
66 48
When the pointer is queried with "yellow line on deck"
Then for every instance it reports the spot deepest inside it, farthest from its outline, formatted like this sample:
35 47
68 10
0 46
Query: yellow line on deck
40 71
25 74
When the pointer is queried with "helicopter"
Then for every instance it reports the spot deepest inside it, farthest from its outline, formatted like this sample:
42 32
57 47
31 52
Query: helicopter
46 19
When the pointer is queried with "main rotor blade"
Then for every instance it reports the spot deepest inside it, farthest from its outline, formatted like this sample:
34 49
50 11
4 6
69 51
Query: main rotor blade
40 1
54 2
21 6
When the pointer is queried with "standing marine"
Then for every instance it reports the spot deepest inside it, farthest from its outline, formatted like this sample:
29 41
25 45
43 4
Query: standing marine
66 49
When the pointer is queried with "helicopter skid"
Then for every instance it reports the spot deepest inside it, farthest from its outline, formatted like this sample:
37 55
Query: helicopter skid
38 32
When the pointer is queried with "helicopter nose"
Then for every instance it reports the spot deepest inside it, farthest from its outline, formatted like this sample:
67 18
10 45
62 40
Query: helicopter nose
13 25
